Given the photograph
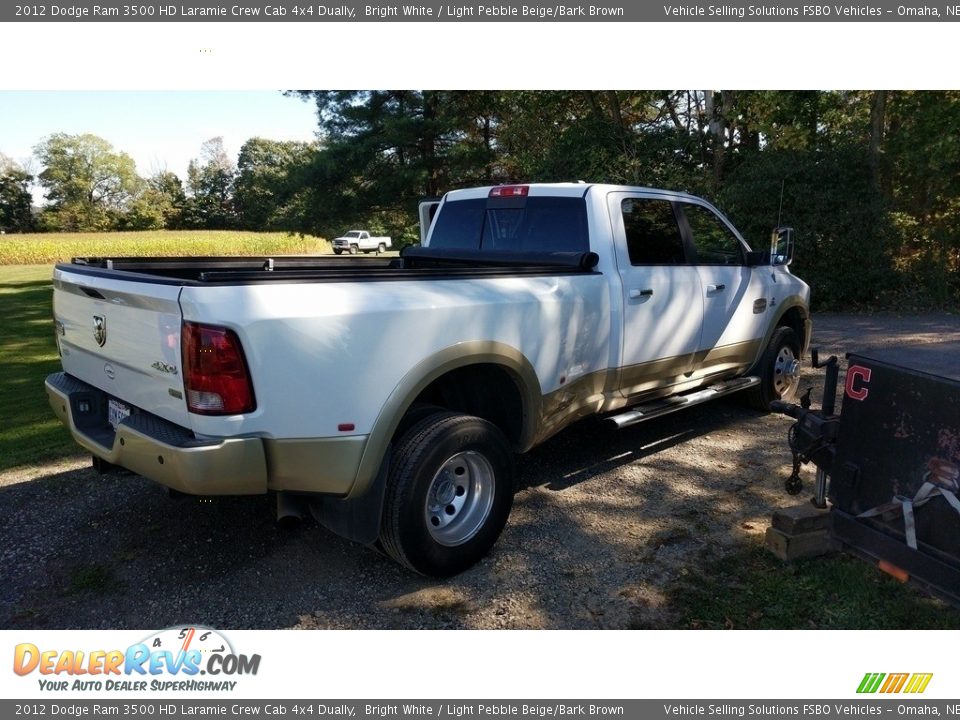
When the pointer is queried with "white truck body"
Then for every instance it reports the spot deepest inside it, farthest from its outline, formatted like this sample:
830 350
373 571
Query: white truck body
527 347
355 241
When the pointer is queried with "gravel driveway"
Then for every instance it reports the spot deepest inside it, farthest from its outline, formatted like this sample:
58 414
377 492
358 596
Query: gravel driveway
602 521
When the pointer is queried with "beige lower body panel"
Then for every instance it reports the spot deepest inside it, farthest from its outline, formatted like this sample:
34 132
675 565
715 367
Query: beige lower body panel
327 465
232 466
609 391
727 359
639 382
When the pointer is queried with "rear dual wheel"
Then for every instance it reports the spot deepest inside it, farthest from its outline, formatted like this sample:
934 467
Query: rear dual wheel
449 493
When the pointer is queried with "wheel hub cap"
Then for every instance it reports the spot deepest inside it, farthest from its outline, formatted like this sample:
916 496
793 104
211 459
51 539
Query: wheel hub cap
786 372
446 491
459 498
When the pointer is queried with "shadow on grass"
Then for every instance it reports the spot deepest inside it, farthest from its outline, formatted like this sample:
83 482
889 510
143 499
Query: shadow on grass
20 285
36 443
28 353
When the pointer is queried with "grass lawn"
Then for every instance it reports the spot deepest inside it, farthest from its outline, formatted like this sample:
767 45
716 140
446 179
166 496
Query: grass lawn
28 353
752 590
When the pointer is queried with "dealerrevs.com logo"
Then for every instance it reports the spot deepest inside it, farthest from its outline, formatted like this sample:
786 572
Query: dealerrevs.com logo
894 682
172 659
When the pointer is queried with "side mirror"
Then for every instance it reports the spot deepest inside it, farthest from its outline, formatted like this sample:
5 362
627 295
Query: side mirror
781 246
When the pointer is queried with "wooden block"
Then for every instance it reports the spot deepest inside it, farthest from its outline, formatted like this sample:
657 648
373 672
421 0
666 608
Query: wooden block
789 547
801 519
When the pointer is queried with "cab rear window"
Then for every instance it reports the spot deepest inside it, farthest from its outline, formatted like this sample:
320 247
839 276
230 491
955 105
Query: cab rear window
527 224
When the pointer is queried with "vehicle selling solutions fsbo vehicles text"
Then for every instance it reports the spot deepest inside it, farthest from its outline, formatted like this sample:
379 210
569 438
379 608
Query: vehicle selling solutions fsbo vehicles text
809 11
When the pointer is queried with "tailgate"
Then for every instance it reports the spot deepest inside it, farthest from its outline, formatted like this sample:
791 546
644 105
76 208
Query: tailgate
122 336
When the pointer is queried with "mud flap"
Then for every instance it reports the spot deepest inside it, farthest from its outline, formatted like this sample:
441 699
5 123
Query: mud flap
356 519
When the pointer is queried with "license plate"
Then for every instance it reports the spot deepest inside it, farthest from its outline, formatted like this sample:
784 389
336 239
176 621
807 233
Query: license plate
116 411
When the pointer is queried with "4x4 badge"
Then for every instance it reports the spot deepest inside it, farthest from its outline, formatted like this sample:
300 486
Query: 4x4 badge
164 367
100 330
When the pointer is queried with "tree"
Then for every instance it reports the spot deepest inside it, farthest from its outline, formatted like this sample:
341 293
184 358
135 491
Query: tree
15 197
384 150
88 185
168 189
210 181
159 204
270 182
920 168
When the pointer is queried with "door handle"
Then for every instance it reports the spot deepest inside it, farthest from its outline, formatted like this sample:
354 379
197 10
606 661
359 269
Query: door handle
716 288
637 293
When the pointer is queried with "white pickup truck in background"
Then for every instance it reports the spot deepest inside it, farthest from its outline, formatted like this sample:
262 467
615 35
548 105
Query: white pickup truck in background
356 241
527 308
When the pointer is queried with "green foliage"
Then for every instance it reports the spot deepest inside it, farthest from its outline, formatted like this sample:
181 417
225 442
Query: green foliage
15 201
270 186
88 185
160 203
921 174
842 244
147 211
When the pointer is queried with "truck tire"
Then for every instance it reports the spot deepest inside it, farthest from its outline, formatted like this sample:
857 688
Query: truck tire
337 251
779 370
354 249
381 249
448 494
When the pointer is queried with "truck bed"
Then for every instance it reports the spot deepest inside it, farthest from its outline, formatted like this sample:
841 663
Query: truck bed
414 263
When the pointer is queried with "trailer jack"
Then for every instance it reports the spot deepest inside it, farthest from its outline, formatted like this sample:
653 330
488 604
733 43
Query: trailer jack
813 436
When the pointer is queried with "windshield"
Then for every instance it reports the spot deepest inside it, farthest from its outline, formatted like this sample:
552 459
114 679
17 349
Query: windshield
353 234
531 224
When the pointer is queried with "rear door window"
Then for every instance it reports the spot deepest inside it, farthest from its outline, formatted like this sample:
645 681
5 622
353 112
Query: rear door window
527 224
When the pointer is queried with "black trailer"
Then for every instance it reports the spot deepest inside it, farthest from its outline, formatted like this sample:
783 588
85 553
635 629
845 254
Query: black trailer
890 462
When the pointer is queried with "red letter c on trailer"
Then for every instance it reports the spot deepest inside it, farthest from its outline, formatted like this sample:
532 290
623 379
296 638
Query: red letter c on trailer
857 379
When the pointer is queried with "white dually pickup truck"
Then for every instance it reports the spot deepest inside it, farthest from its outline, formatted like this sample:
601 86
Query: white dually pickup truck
528 307
360 241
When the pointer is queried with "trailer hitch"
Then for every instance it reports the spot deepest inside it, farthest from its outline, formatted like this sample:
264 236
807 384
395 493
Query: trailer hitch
813 436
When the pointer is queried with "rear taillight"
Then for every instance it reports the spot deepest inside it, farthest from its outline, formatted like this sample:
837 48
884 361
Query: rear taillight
215 372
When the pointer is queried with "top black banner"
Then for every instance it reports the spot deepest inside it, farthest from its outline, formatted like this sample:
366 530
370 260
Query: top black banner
505 10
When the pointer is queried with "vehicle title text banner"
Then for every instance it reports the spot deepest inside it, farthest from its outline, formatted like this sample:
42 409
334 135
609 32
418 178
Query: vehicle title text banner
227 707
503 11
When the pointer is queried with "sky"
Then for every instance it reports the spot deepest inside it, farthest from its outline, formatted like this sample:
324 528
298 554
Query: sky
160 130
